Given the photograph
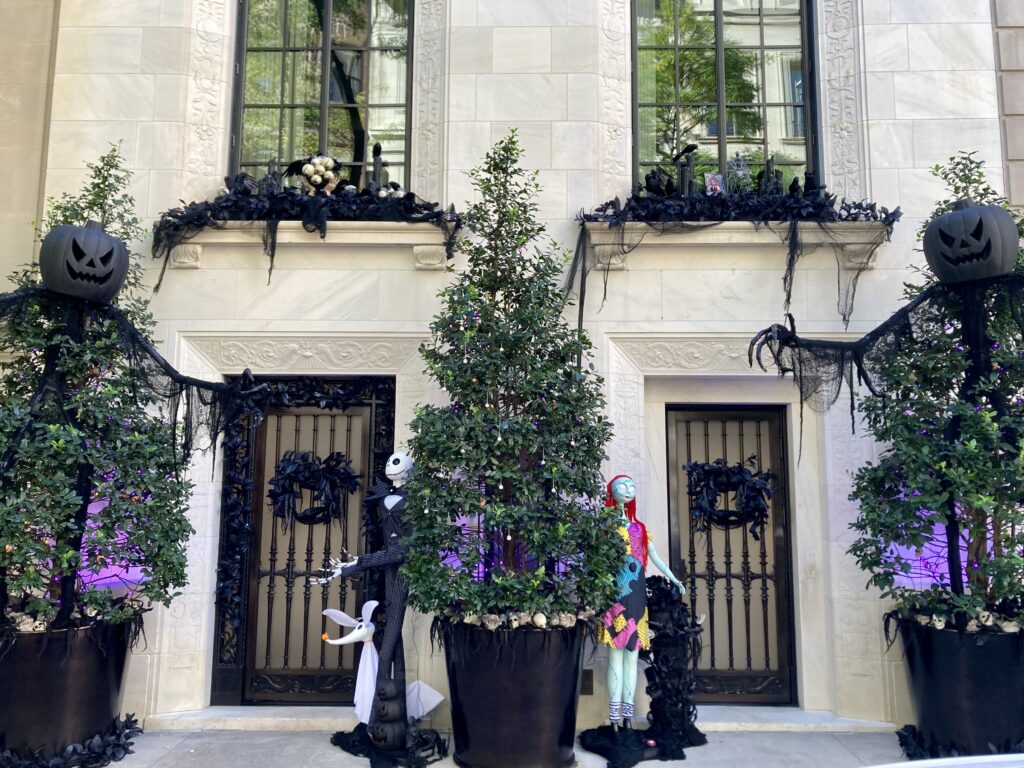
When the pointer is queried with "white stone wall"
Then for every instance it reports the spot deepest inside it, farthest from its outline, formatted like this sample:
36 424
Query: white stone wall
26 50
152 75
903 85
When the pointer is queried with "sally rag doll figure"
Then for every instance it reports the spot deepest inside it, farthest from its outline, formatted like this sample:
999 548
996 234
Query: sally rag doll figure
624 627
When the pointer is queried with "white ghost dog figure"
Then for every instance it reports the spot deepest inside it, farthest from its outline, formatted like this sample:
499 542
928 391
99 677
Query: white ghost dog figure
362 632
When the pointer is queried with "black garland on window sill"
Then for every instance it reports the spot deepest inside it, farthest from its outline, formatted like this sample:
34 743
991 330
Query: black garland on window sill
753 489
109 746
687 213
329 479
268 202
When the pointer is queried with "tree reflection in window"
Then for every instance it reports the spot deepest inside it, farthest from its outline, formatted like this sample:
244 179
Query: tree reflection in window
339 93
726 75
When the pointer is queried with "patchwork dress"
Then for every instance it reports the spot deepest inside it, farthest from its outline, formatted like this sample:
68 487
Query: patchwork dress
624 625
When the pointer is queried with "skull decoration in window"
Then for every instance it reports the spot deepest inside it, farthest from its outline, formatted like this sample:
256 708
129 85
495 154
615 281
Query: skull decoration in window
83 262
972 243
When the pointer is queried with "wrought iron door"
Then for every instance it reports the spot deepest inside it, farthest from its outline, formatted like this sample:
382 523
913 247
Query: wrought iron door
286 659
741 585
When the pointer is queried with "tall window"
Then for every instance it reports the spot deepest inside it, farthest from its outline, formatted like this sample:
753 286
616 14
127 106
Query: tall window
727 76
304 91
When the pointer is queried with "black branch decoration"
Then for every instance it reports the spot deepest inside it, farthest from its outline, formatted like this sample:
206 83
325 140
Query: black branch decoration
268 202
663 210
753 489
328 480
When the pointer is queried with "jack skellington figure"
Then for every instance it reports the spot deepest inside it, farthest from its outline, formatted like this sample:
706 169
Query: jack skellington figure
392 655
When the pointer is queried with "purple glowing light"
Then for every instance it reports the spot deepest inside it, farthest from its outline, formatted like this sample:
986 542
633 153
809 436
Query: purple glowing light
120 578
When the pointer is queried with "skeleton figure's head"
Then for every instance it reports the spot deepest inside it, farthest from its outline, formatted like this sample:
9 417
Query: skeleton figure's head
398 467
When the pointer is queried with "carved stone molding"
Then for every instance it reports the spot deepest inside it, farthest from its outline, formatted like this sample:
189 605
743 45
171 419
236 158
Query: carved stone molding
626 413
841 86
278 354
682 355
428 71
208 97
614 114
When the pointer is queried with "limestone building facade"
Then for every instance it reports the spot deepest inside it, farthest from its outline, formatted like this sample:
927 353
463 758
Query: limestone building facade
869 94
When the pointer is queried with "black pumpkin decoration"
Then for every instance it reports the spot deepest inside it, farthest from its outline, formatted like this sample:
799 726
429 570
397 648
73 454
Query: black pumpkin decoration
972 243
83 262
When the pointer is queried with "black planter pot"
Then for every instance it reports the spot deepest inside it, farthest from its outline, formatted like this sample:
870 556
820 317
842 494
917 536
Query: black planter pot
968 688
61 689
513 695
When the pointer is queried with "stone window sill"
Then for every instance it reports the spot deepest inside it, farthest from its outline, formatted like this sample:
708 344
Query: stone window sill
421 244
854 242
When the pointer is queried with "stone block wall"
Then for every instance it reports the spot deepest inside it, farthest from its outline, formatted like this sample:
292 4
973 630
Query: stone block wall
1009 19
25 81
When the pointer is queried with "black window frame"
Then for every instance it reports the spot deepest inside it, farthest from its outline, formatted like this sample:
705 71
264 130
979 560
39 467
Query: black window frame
238 93
808 46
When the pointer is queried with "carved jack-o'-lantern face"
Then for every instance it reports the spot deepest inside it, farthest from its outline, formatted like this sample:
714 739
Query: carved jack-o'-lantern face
84 262
972 243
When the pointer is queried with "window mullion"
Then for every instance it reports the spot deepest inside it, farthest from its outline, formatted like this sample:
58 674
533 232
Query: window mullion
325 73
723 126
281 119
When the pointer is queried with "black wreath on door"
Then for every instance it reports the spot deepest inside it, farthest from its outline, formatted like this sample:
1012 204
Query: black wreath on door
329 479
753 489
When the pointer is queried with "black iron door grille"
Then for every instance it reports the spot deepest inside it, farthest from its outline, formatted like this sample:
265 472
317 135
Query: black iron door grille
287 661
741 585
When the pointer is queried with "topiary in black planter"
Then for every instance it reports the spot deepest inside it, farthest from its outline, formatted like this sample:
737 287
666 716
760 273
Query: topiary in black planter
514 694
60 688
968 689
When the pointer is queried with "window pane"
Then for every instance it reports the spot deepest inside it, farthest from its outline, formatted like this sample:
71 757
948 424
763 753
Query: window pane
742 76
396 172
390 23
260 131
655 78
350 23
265 23
301 132
302 77
696 22
304 24
665 131
742 22
352 174
387 126
263 78
698 76
654 22
786 140
781 30
346 134
784 76
347 77
387 77
746 122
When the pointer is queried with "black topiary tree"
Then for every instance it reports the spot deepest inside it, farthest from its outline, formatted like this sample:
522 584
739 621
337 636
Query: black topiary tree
506 518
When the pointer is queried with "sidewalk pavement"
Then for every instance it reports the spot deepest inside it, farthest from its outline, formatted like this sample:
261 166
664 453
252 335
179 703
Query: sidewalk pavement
276 749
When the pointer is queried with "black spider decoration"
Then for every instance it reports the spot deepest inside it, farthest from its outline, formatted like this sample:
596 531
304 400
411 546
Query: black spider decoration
328 479
753 489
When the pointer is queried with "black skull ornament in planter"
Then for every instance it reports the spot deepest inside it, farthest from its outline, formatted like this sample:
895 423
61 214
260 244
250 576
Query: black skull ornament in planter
972 243
83 262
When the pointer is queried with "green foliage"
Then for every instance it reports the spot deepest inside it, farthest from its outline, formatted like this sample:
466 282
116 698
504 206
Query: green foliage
109 423
905 496
504 498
